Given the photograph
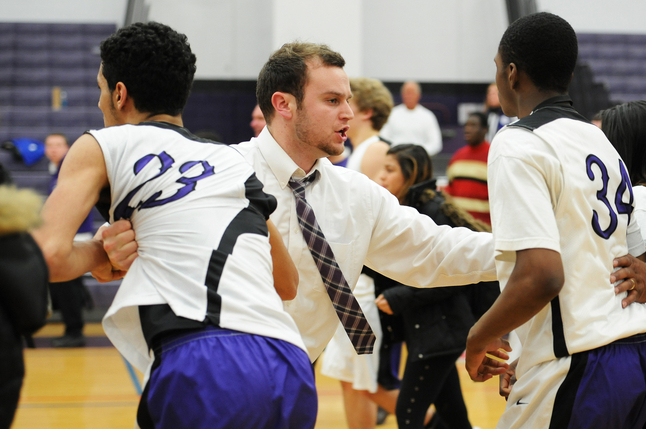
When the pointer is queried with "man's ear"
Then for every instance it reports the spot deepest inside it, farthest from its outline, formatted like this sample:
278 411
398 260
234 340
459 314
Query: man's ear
366 114
512 76
284 104
120 96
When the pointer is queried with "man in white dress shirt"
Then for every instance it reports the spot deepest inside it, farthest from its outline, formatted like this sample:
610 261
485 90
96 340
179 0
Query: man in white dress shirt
410 122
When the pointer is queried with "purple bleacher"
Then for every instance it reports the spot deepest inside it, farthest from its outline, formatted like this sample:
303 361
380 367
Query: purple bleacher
7 41
31 42
610 51
7 28
5 96
636 51
26 116
67 42
32 58
73 77
32 96
586 38
636 39
68 59
82 96
28 76
610 38
6 76
31 28
95 118
70 117
7 58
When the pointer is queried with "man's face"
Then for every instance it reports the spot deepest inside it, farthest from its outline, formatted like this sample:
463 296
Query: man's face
410 95
55 148
505 93
321 120
105 101
474 133
257 121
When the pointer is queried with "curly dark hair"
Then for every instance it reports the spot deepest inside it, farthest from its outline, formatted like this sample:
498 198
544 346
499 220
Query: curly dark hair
286 71
625 127
154 62
545 47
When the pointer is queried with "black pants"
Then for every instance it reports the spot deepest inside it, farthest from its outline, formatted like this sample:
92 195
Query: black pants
431 381
69 298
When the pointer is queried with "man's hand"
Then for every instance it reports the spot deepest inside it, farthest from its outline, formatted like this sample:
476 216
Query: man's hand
382 304
507 380
633 274
120 245
479 364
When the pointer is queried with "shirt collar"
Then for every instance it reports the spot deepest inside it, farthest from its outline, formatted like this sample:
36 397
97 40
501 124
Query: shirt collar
280 163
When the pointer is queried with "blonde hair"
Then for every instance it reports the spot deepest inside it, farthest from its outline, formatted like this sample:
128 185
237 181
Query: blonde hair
19 210
372 94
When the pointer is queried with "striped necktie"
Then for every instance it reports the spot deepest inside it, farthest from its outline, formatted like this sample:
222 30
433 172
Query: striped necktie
347 308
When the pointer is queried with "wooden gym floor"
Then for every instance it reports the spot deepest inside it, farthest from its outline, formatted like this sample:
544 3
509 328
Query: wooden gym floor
94 388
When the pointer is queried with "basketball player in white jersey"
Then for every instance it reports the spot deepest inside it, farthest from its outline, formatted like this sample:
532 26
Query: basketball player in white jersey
561 210
197 311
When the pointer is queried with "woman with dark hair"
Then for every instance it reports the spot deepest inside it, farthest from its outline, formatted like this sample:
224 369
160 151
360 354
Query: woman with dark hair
436 321
625 127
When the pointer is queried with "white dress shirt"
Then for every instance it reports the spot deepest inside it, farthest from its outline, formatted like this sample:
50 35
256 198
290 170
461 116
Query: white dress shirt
363 223
417 126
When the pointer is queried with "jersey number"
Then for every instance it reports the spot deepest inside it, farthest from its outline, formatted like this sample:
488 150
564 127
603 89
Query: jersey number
602 195
124 210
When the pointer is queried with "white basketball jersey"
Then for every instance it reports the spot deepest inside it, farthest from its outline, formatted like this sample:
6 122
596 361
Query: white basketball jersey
199 216
555 182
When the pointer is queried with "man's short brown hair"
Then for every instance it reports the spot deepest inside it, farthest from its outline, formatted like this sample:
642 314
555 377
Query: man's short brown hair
286 71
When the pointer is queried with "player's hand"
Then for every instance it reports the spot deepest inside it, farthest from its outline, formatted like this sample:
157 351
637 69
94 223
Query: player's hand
119 244
480 362
633 274
106 273
507 380
382 304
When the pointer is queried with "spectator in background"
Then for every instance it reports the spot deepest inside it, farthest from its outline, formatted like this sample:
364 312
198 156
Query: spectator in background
411 122
257 121
625 127
436 321
467 170
71 296
496 119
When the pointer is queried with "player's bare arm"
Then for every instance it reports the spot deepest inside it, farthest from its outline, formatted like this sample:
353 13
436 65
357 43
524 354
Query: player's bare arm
82 176
633 274
536 279
285 272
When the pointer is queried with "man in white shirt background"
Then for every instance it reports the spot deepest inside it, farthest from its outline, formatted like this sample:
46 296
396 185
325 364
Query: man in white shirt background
410 122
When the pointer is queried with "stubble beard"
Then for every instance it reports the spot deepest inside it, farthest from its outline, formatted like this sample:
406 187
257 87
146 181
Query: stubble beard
305 134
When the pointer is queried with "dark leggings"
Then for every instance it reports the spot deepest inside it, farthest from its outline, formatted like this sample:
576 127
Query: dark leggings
431 381
69 298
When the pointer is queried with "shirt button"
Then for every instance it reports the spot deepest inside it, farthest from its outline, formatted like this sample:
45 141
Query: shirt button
420 355
416 326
